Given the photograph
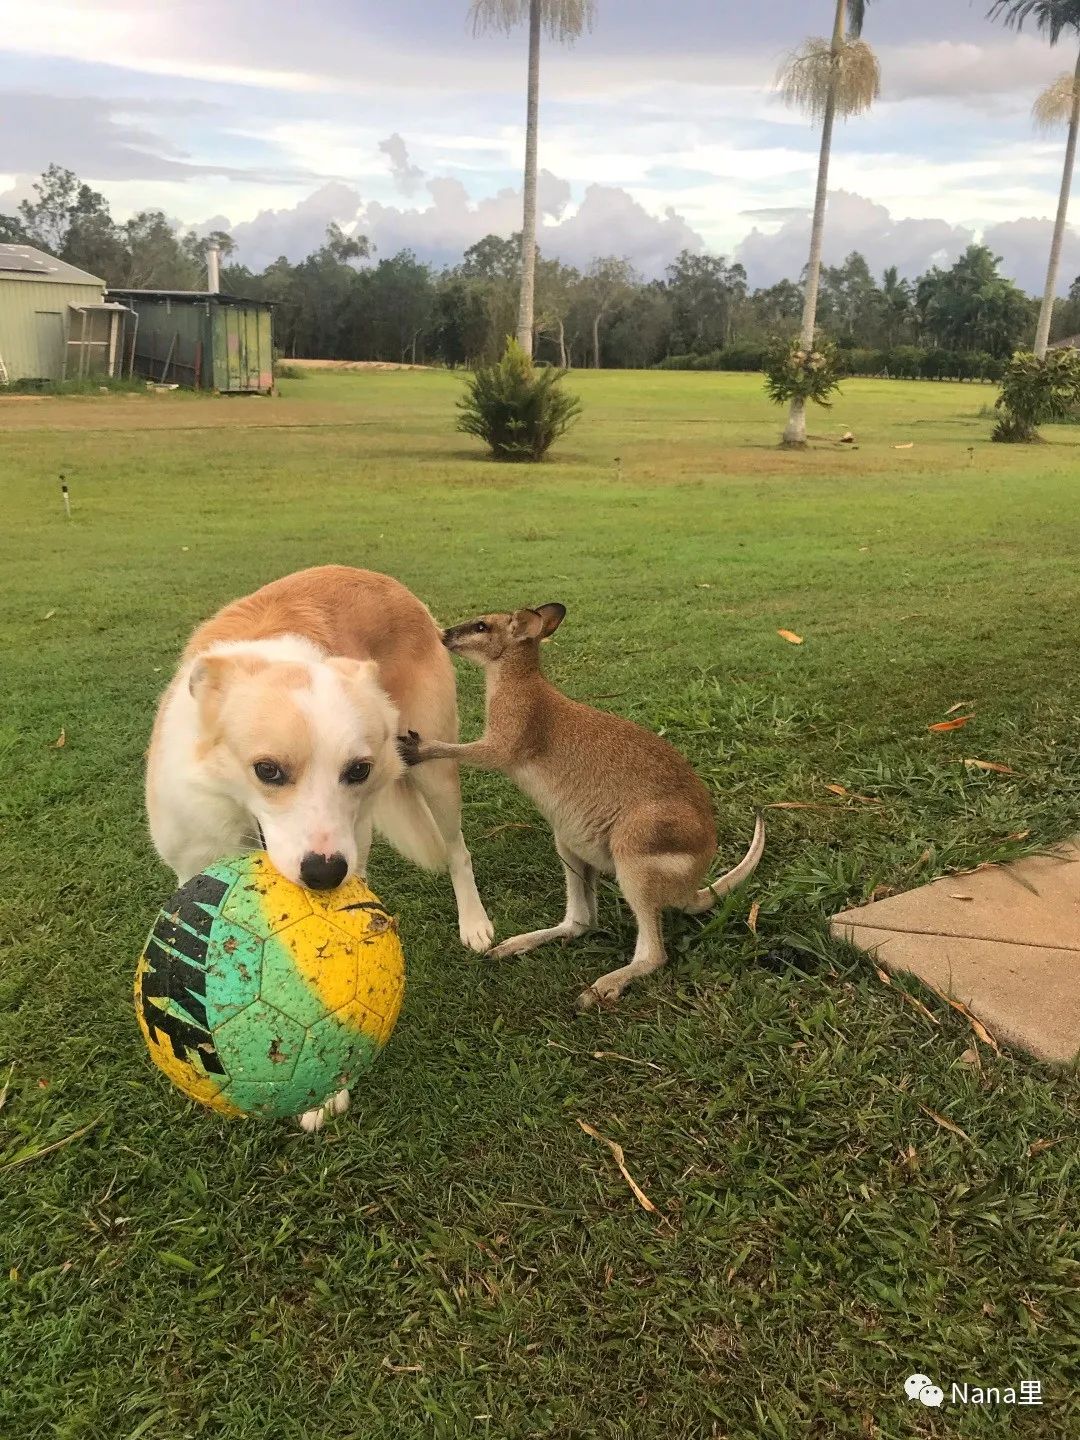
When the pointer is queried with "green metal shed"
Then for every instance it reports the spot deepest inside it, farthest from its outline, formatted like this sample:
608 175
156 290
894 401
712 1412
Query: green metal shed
202 339
55 322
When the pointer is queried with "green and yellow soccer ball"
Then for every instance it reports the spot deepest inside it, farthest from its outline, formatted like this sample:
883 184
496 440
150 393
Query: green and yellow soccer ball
258 997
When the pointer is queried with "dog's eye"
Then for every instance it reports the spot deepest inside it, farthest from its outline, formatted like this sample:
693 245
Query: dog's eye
270 773
356 773
481 628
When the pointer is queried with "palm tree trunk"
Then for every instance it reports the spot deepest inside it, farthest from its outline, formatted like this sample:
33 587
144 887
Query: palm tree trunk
596 340
562 344
1046 313
528 226
795 432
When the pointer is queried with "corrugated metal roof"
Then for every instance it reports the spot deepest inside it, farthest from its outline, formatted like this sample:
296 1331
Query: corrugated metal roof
188 297
25 263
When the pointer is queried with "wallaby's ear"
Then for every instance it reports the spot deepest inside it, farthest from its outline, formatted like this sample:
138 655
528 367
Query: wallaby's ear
526 625
552 616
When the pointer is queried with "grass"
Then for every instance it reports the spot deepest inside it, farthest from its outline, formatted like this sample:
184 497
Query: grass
457 1257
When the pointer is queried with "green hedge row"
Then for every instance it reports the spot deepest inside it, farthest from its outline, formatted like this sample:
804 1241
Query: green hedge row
905 362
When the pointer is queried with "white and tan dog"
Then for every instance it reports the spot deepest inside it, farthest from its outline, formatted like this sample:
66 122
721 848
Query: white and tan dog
281 723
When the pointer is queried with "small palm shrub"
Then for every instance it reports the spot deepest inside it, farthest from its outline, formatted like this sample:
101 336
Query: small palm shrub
1036 392
517 408
794 373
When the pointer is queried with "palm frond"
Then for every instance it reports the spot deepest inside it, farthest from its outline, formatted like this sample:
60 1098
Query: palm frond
1052 17
562 19
1054 106
813 72
856 11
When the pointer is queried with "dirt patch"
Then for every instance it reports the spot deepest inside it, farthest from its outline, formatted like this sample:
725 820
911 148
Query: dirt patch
350 365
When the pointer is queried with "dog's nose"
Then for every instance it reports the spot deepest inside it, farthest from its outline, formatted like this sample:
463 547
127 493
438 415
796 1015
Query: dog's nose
323 872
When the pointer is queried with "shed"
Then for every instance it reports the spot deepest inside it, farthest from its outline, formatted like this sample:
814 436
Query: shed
202 338
55 322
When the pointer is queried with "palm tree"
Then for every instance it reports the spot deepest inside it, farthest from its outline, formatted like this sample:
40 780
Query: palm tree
825 79
563 20
1061 103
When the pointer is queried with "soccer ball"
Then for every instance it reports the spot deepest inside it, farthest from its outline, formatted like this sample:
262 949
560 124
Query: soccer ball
258 997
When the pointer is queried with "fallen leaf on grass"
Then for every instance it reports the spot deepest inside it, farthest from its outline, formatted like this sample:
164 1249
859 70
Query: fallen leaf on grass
909 446
975 1023
511 825
971 1057
911 1159
388 1364
620 1160
60 741
751 919
984 1034
790 637
851 795
960 897
796 805
944 1122
1038 1146
924 859
960 705
7 1082
882 892
629 1059
1018 835
48 614
26 1157
957 724
904 995
991 765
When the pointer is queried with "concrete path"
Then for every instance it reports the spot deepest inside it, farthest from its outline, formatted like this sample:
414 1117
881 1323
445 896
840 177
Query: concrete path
1005 941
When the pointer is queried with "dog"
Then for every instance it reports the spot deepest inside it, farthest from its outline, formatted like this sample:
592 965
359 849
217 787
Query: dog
279 729
620 800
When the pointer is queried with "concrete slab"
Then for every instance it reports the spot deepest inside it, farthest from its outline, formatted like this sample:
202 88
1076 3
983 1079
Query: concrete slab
1005 941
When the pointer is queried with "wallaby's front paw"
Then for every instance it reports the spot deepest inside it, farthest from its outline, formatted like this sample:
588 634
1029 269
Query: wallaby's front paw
409 748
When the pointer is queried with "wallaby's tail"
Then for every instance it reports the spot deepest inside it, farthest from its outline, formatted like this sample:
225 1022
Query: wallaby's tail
402 816
705 899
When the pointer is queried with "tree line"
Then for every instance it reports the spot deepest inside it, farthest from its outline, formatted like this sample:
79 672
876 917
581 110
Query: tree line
342 302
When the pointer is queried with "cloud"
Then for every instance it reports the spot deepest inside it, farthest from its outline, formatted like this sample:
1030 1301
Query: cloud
109 140
407 177
976 74
852 223
608 221
1024 246
295 231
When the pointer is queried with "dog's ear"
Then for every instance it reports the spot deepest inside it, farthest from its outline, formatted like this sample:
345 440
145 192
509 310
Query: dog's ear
354 672
211 674
363 682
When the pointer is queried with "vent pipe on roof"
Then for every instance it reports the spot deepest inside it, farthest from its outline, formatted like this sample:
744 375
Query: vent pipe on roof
213 269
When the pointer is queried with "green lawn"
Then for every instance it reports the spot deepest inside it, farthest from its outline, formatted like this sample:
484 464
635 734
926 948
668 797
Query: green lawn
457 1257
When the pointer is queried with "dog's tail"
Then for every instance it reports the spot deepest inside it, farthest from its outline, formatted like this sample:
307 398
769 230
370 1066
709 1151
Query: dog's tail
705 899
402 817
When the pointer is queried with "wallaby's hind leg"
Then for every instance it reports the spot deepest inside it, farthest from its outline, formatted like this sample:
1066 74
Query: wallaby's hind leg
580 909
649 885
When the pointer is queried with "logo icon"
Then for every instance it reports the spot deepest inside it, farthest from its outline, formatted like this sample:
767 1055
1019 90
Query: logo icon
921 1387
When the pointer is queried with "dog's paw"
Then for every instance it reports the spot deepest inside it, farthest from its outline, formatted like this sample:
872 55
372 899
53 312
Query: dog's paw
313 1120
602 992
409 748
477 932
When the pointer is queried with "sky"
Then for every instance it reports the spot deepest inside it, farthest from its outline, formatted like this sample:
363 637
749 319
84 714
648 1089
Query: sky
661 129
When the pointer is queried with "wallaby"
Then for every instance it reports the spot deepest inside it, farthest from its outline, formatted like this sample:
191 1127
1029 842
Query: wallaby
620 800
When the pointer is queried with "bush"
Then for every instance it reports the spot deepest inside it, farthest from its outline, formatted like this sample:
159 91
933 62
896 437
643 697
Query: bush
1036 392
518 409
794 373
284 371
